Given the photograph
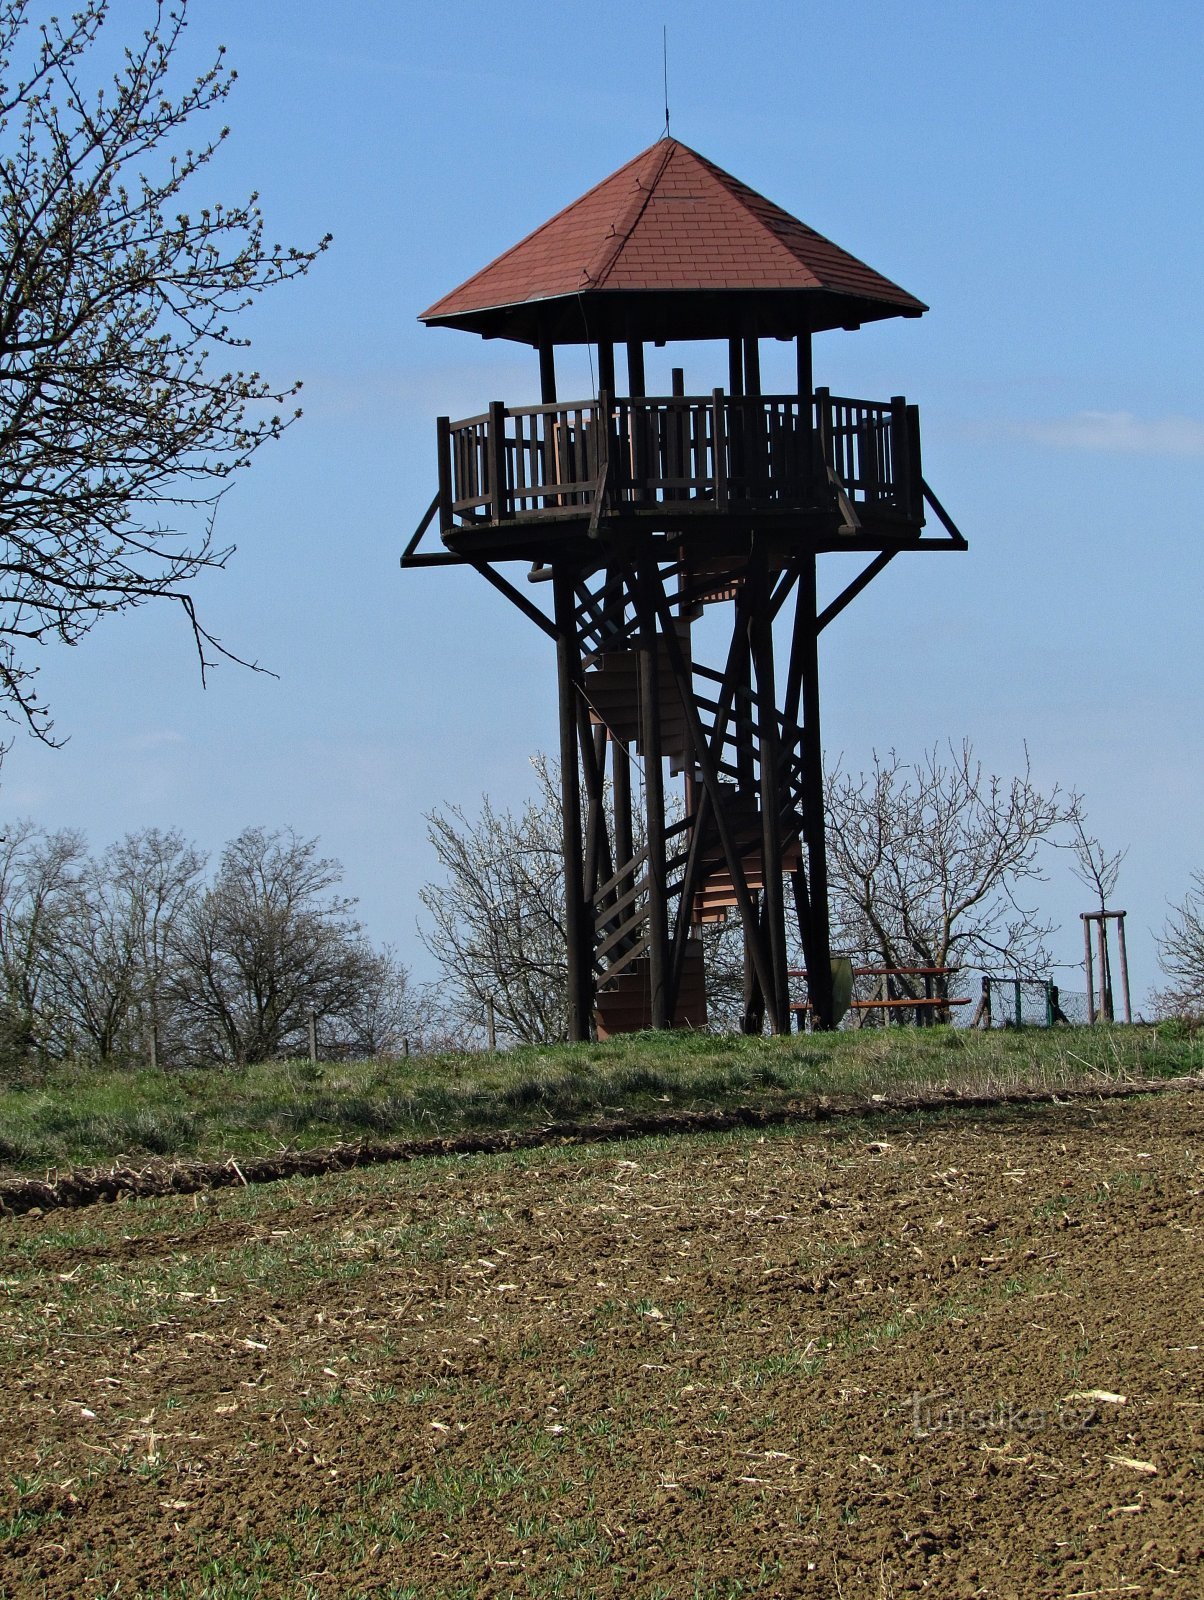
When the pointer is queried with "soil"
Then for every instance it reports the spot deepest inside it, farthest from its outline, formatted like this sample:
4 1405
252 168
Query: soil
955 1354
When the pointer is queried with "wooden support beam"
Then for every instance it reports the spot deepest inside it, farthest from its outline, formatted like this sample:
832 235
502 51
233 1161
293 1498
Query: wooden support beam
805 374
547 370
850 593
710 778
606 367
817 945
578 920
735 366
516 597
635 368
648 581
777 998
752 365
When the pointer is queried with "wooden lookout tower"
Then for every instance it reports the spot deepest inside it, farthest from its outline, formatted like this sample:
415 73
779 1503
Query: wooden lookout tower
632 515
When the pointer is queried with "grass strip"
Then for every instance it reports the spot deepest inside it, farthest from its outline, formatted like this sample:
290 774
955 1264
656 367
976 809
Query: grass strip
89 1186
83 1116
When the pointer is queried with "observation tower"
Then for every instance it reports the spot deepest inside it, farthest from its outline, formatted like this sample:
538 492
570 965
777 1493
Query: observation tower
616 520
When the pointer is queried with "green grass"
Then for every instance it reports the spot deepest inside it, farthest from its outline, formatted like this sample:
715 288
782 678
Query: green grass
80 1116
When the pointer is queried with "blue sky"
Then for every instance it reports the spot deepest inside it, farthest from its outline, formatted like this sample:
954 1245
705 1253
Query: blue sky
1030 171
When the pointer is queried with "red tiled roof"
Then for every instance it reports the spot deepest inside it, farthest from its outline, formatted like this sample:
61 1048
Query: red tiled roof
669 221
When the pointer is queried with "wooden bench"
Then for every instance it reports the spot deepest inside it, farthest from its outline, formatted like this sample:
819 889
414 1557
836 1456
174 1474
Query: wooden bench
920 1004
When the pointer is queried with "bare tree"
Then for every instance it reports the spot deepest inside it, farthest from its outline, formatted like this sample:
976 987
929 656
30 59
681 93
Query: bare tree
1181 955
117 292
387 1015
1093 866
927 863
497 920
38 875
112 949
266 945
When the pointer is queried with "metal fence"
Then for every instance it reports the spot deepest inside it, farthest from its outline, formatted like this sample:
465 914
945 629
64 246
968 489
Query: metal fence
1011 1002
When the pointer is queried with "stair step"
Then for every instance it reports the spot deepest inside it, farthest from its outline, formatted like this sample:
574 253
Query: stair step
718 891
625 1004
612 690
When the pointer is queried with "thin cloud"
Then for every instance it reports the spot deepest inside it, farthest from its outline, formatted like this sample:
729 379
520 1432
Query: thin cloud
1119 433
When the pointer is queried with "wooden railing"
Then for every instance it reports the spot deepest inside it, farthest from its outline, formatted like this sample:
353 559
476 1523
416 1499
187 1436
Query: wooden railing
693 453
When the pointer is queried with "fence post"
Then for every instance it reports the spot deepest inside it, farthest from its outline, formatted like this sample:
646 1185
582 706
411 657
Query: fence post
1124 964
1019 1005
313 1036
490 1023
982 1011
719 445
447 516
496 453
1087 967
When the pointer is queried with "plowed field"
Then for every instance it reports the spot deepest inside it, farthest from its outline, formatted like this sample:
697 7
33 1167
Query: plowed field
957 1355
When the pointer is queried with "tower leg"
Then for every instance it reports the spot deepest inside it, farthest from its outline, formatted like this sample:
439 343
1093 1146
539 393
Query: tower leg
818 945
654 802
774 902
753 1018
578 922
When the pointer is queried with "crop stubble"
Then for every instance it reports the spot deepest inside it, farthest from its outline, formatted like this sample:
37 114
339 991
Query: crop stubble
951 1355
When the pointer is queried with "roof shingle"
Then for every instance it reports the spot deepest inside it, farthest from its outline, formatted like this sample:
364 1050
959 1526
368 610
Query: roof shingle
671 220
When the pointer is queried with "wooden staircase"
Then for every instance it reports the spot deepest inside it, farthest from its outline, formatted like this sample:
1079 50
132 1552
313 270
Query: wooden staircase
612 689
716 894
624 1002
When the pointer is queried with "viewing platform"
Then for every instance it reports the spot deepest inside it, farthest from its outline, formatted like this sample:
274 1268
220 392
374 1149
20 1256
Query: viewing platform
845 473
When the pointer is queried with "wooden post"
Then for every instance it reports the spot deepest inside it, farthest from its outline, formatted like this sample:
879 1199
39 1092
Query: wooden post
654 803
982 1012
154 1047
313 1036
806 413
1087 967
752 365
1124 964
753 1019
806 645
606 367
823 442
577 923
497 459
1105 981
805 367
770 796
735 366
490 1023
900 455
620 782
915 469
635 367
547 371
719 445
447 516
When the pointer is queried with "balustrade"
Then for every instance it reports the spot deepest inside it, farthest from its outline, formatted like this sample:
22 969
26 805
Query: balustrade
687 453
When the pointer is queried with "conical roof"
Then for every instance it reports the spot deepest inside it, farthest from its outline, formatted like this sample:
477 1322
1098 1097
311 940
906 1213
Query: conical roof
670 247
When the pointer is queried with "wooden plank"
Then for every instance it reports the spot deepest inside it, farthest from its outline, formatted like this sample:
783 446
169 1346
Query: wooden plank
446 496
719 447
496 449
